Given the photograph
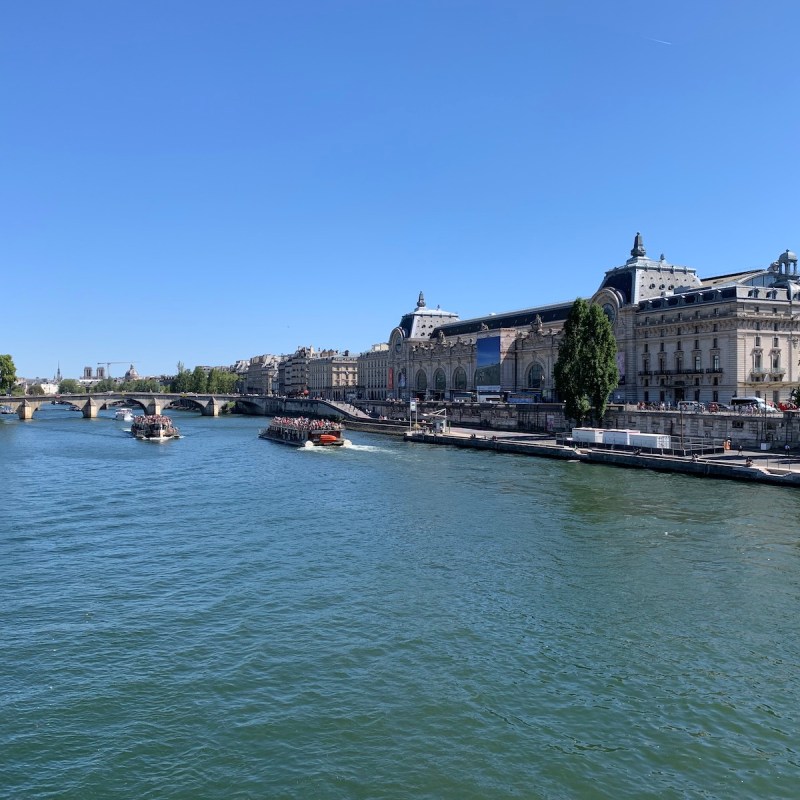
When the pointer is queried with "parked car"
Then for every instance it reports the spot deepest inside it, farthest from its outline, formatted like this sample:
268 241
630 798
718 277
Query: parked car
787 406
691 406
717 407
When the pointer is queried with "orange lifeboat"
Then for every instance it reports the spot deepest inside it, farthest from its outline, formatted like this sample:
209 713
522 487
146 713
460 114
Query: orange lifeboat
327 438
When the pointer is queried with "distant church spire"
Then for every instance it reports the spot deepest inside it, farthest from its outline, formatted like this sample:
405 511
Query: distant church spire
421 301
638 246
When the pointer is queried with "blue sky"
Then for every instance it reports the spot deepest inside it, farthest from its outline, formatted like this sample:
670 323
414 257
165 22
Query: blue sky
206 181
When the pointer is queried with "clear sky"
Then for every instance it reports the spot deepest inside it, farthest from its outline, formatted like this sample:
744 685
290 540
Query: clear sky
199 181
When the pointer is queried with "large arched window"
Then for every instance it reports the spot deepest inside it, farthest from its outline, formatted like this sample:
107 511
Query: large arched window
460 380
422 381
439 382
535 376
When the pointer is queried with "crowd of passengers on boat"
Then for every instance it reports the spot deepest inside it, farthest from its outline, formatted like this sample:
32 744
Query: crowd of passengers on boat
305 424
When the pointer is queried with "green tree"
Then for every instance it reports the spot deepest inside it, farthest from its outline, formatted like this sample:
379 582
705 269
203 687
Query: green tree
182 382
226 382
212 386
199 381
70 386
144 385
586 370
36 388
8 374
105 385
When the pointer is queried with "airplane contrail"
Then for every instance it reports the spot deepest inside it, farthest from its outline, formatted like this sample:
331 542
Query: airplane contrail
660 41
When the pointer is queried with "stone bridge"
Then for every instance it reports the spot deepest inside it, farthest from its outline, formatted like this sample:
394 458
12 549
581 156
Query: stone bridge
89 404
209 405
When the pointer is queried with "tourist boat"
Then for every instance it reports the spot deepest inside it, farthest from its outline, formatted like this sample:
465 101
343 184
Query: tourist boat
154 428
123 415
301 431
7 410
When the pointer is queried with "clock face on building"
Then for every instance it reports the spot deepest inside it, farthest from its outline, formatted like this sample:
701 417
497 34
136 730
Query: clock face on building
610 312
398 344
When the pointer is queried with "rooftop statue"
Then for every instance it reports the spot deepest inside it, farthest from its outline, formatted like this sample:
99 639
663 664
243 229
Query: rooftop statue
638 246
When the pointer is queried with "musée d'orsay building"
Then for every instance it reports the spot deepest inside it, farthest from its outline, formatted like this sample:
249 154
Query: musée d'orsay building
679 337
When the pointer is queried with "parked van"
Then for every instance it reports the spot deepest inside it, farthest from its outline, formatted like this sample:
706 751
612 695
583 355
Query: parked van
754 405
691 406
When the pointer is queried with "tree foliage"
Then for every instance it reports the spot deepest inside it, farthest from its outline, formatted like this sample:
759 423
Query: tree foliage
70 386
182 382
105 385
199 381
586 370
221 382
8 374
36 389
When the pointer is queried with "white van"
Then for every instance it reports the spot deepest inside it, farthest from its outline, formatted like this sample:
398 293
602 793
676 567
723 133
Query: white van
754 405
692 406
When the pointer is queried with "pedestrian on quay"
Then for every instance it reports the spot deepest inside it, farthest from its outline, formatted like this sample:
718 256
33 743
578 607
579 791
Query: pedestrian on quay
740 448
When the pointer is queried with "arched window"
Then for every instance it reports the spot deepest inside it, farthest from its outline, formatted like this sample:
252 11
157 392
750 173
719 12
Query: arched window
535 376
439 382
460 380
422 381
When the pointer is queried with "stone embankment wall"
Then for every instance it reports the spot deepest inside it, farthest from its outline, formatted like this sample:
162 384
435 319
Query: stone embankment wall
775 430
751 431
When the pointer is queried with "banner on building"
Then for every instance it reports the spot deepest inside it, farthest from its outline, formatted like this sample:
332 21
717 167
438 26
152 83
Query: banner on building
487 375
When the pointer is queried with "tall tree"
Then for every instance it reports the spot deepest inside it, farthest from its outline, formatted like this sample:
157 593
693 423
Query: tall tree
226 382
212 385
602 374
182 382
199 381
8 374
586 370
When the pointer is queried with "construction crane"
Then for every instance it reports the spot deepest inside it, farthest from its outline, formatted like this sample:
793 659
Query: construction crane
107 365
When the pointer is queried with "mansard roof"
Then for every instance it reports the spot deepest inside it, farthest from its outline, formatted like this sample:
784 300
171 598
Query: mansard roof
510 319
641 278
420 323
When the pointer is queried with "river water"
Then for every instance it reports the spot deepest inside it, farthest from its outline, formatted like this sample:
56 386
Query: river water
222 617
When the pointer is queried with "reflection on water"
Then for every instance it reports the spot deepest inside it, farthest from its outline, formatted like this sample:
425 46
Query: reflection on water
223 617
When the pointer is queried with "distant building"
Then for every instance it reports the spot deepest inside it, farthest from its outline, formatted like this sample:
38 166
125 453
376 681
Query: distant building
293 373
373 372
262 375
333 376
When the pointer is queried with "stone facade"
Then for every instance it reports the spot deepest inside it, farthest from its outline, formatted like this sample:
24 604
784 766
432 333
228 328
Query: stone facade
333 376
679 337
262 375
293 373
373 372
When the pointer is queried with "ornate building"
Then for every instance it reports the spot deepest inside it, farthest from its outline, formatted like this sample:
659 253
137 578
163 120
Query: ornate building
679 337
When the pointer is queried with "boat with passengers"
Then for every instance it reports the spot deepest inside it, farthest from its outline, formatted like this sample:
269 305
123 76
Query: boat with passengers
302 431
153 428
